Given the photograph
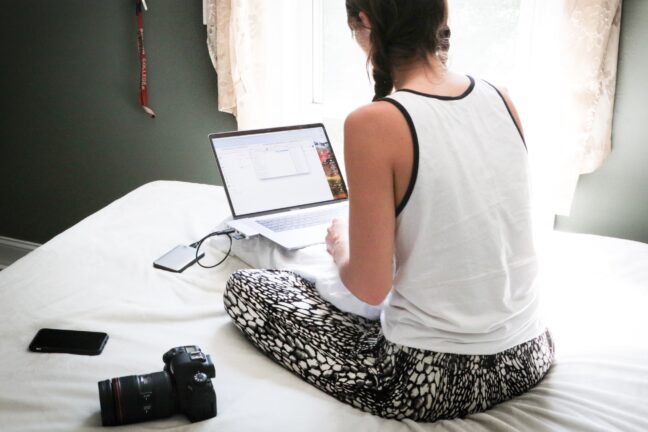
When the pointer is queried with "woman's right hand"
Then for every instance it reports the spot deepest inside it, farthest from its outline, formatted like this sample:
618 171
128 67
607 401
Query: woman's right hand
336 241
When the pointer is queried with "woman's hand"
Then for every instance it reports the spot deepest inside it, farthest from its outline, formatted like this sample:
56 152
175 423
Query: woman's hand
336 241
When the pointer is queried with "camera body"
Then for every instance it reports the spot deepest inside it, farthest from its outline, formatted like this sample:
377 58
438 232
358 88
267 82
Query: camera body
192 370
183 386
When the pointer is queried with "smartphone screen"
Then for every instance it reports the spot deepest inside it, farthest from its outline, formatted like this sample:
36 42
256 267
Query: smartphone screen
68 341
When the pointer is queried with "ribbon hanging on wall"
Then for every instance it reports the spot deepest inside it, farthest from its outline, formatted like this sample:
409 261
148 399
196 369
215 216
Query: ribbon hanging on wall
140 6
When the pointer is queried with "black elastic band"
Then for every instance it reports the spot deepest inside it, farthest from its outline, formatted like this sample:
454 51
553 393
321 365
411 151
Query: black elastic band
446 98
510 113
415 162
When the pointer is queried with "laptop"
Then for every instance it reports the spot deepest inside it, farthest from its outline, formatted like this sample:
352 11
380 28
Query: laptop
281 183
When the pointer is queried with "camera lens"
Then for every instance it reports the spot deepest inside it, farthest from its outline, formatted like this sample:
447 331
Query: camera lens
136 398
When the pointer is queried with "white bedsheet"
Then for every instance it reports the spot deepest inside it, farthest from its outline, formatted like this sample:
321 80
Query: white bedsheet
98 276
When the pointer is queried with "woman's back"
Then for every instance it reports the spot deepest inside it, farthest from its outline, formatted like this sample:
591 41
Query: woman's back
465 262
440 183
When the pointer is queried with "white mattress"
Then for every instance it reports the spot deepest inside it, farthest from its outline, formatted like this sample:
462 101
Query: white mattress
98 276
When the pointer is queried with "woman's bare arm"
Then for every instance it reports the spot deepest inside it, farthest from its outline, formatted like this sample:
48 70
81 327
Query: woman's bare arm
372 135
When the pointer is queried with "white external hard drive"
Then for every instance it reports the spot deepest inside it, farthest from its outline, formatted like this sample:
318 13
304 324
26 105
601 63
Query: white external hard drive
177 259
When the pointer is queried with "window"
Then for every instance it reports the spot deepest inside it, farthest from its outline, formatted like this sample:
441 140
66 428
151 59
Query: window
484 36
483 44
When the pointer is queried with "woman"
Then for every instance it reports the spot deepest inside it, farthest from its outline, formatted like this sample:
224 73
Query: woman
439 230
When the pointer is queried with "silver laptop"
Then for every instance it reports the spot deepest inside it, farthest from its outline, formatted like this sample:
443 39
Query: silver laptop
282 183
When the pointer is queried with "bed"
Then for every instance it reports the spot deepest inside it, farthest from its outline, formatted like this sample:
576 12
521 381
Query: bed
98 275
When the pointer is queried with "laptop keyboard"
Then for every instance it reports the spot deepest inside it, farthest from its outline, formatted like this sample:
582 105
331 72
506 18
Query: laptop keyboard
304 220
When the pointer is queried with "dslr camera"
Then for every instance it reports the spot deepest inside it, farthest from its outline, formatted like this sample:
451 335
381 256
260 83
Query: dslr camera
183 386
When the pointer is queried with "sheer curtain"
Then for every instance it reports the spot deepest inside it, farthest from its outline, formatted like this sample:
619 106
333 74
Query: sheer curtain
560 67
564 85
262 53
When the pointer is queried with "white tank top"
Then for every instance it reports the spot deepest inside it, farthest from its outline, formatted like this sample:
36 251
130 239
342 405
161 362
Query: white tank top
465 263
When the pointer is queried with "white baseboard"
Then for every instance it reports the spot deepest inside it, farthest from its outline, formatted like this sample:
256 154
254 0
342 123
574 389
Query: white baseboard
12 250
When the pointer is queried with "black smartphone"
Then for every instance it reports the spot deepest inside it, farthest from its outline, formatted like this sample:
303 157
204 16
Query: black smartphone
68 341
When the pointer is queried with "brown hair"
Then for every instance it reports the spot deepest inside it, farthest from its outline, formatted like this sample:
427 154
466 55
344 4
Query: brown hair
401 31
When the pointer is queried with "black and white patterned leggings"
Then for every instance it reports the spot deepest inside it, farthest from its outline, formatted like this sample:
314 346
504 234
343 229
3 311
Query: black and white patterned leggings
347 356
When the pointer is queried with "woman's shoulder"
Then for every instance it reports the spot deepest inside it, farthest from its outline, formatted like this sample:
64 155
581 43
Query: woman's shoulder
377 118
377 130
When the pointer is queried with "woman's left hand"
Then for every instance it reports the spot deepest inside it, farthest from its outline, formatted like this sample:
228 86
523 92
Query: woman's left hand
336 241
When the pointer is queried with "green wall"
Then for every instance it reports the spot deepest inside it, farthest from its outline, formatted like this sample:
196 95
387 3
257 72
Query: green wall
73 137
613 200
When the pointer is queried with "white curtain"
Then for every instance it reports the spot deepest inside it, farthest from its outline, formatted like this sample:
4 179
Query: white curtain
565 86
564 83
262 52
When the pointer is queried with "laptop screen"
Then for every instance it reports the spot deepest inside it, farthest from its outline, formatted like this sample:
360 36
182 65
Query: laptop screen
281 168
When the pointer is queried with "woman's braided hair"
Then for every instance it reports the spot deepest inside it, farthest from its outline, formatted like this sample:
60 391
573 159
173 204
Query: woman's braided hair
401 31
